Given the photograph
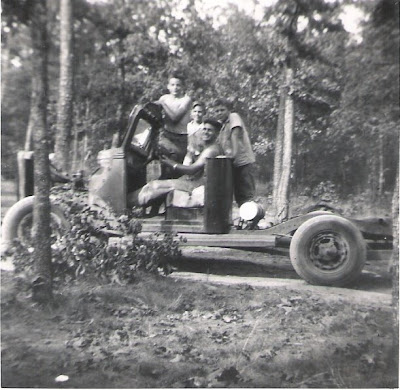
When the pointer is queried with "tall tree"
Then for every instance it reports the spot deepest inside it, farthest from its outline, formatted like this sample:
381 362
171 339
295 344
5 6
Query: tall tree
285 128
33 14
283 154
394 269
42 284
309 82
65 97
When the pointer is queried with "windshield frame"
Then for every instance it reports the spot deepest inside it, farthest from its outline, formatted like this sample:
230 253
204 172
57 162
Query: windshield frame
138 113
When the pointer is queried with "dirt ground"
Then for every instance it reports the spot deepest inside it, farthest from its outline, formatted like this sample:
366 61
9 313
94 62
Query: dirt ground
271 266
172 332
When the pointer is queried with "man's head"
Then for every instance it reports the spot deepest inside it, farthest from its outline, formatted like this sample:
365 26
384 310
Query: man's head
198 110
211 128
221 109
175 84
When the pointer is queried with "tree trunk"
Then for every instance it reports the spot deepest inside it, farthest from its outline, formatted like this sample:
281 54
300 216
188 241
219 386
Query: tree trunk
42 284
283 150
381 177
279 145
75 151
65 98
29 131
5 65
281 199
372 177
394 268
122 104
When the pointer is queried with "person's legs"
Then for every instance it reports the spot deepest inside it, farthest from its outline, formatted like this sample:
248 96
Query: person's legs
244 184
154 190
173 146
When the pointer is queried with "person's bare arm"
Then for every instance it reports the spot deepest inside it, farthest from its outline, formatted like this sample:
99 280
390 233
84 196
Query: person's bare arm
177 115
193 168
188 158
236 133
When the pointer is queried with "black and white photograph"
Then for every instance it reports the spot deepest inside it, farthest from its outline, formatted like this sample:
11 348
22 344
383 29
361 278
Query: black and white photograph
200 194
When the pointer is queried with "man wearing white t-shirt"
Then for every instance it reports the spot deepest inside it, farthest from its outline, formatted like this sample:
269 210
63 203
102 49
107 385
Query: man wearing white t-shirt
174 138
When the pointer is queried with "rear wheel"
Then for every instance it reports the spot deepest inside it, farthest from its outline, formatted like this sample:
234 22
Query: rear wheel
328 250
18 222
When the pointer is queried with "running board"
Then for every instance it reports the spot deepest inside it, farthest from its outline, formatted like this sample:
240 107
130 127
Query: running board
161 225
228 240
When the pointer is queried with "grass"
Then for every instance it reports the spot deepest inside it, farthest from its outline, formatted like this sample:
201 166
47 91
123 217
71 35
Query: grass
161 332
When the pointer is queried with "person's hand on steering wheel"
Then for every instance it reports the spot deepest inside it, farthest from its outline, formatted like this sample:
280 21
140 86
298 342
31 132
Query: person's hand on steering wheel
167 161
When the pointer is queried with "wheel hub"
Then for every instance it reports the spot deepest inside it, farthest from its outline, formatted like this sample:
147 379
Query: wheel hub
328 251
25 229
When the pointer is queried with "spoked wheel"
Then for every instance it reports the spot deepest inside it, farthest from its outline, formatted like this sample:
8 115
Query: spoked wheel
18 222
328 250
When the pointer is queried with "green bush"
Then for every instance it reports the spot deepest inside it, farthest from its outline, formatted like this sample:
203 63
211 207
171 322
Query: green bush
85 249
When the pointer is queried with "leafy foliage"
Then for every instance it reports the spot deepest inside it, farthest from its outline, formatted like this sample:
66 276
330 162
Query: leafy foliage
125 49
84 250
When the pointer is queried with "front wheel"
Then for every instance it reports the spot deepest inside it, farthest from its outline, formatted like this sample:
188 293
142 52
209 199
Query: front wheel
328 250
18 222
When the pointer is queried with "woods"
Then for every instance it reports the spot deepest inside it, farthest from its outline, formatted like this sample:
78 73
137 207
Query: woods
344 91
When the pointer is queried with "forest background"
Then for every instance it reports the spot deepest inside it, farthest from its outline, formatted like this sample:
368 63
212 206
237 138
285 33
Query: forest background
345 85
340 87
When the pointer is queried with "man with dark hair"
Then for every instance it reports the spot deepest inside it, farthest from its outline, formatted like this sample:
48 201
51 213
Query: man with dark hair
193 175
173 141
235 142
194 129
176 105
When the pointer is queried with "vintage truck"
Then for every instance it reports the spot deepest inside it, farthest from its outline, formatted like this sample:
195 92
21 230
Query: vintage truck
324 248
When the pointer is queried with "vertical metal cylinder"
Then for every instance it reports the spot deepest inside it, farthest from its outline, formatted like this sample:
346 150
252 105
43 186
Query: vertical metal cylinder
25 174
218 195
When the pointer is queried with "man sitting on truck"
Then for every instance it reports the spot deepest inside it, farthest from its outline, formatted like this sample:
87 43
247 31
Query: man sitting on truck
193 175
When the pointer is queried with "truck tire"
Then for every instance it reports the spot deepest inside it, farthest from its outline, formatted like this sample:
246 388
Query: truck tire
328 250
18 220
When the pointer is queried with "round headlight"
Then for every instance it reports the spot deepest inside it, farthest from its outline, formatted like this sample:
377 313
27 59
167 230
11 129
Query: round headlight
250 211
